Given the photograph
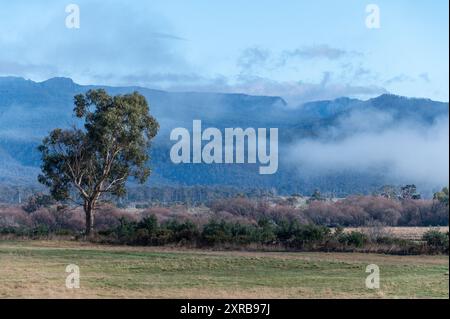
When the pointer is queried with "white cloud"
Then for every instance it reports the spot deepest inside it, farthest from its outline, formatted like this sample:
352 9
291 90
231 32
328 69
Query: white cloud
404 152
113 39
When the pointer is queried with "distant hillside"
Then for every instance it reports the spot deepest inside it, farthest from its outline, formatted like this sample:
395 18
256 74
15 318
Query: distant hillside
29 110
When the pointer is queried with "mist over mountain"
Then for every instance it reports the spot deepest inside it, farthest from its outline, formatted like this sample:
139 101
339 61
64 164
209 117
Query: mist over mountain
340 146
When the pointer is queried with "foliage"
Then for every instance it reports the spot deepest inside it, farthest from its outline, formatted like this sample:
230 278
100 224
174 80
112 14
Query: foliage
354 238
437 240
37 201
316 196
98 159
410 192
442 196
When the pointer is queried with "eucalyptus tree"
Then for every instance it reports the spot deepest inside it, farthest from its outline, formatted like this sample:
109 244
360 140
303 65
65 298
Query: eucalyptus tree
84 163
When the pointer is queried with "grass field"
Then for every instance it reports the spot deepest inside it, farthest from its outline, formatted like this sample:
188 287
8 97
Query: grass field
36 269
413 233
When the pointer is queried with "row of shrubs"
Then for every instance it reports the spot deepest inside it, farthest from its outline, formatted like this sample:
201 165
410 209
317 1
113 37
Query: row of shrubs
265 234
353 211
235 223
286 234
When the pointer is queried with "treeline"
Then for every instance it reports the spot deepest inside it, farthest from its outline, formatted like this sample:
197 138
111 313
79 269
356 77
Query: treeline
295 222
267 234
14 194
146 197
151 196
354 211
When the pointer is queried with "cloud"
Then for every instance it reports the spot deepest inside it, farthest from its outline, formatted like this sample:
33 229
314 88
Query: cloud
298 92
315 52
113 39
253 57
259 65
168 36
357 72
124 45
371 141
118 44
161 80
318 51
10 67
402 78
399 79
425 77
294 92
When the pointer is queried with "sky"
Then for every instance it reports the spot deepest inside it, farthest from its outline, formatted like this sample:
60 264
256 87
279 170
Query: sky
299 50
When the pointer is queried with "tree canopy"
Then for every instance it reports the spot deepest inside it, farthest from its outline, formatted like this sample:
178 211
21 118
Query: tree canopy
442 196
98 158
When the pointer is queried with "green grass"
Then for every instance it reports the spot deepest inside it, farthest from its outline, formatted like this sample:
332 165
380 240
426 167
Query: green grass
37 269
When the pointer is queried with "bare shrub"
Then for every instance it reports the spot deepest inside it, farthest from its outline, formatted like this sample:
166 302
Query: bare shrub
14 217
70 219
377 208
161 213
281 212
108 217
43 217
223 215
239 206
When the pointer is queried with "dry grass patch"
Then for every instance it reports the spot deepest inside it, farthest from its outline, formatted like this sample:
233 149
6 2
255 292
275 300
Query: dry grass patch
36 269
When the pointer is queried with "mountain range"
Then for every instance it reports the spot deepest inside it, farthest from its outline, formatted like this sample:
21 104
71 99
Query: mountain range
311 135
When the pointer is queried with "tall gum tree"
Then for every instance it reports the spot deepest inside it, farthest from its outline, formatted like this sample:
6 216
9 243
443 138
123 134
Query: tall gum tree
83 164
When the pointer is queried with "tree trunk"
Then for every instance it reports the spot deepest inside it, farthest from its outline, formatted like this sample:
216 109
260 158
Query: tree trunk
89 211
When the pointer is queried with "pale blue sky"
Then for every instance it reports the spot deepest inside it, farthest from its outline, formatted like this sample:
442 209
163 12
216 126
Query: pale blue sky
301 50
